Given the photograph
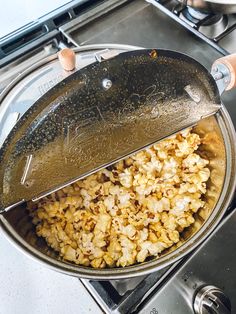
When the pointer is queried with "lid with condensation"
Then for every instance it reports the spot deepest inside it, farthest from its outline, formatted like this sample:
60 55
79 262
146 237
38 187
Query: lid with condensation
100 114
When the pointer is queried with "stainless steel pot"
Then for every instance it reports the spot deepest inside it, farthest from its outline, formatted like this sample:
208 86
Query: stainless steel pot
212 6
219 140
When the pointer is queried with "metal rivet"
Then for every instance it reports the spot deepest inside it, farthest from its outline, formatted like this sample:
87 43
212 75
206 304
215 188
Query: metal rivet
106 83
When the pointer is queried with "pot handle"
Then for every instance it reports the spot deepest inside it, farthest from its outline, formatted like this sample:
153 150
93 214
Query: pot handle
67 59
224 72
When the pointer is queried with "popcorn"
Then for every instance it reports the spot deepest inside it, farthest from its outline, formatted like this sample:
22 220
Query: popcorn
69 253
180 204
109 202
134 210
194 163
155 205
126 178
129 231
103 223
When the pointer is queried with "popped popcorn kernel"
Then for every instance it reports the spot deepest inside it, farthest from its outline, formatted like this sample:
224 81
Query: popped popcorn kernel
134 210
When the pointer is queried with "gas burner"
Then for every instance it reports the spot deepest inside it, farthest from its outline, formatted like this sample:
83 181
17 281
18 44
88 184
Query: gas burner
211 25
196 16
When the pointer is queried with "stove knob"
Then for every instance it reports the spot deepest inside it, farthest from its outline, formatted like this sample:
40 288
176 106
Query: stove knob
211 300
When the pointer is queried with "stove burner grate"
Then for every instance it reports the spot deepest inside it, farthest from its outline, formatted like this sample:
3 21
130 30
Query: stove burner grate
214 26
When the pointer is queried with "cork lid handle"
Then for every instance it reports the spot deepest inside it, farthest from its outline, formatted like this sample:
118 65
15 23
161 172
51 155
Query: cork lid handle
230 63
66 57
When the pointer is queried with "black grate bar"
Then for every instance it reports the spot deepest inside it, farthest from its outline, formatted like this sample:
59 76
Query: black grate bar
225 33
204 20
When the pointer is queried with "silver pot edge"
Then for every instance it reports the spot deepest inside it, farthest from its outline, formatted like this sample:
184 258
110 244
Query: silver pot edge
211 6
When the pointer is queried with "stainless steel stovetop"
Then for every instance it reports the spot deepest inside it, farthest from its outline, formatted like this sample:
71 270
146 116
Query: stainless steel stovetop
31 69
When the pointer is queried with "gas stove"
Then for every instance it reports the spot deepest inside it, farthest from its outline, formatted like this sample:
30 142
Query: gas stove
29 67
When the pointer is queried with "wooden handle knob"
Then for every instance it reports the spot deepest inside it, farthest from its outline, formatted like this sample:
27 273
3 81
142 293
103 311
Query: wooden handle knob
66 57
230 62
